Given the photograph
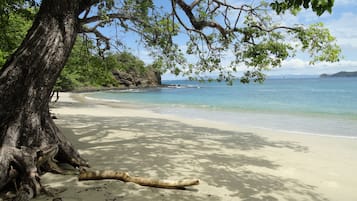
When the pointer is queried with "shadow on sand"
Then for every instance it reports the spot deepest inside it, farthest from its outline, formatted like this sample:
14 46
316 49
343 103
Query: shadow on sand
172 150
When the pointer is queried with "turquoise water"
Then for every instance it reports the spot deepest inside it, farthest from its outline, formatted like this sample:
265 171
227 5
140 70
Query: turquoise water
314 105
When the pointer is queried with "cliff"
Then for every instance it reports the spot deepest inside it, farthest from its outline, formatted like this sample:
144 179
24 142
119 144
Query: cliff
138 78
340 74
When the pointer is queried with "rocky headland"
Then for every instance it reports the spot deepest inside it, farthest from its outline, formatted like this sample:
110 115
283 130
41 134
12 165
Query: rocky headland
133 78
340 74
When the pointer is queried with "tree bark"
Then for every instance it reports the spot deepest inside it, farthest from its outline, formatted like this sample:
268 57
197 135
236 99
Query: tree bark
26 82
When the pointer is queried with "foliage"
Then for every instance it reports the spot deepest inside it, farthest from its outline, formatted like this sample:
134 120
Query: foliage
15 19
85 68
311 41
128 62
257 41
24 8
318 6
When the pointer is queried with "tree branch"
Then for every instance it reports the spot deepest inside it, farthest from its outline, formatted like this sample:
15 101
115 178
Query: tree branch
125 177
187 28
199 25
194 3
275 28
98 34
86 13
110 16
242 7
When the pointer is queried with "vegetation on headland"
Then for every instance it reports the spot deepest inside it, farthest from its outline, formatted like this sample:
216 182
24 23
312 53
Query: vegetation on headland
86 69
340 74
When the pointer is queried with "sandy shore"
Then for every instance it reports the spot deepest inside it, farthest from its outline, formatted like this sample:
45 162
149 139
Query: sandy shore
232 162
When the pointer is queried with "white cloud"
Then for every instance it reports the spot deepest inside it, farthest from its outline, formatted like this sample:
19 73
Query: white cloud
295 63
300 67
344 29
345 2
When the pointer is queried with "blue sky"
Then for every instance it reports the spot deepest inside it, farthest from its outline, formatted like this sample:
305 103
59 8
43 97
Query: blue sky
342 23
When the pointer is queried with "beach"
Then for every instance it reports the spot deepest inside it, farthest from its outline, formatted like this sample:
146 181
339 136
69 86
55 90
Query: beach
232 162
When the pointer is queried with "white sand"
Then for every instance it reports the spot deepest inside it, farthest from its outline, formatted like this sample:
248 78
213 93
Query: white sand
232 162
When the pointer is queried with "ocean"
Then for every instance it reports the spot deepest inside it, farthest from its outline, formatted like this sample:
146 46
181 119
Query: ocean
318 106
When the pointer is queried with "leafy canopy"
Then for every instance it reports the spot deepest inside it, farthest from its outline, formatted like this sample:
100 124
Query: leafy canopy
196 37
221 36
318 6
15 19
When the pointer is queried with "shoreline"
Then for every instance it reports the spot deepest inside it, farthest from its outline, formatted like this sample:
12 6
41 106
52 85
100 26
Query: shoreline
306 124
232 162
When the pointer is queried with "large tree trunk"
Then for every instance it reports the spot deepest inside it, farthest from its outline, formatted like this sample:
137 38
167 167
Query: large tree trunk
26 82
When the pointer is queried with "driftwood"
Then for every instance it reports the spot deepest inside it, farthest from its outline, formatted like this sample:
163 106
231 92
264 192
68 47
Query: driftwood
125 177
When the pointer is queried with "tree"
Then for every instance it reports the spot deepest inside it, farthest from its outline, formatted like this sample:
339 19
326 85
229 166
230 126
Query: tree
29 139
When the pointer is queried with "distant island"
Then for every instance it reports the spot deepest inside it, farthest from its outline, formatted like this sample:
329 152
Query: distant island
340 74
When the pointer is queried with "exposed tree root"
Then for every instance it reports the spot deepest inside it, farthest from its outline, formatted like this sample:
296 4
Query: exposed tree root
124 176
21 167
21 163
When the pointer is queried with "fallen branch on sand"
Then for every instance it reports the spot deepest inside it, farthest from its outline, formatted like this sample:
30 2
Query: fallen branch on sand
125 177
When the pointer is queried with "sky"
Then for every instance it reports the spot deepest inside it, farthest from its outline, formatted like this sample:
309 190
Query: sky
342 23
